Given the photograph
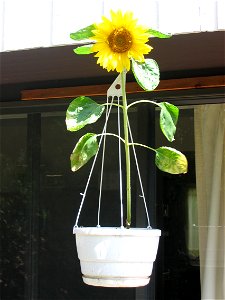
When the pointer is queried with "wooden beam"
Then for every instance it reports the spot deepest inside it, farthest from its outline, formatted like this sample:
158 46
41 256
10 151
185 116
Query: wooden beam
132 87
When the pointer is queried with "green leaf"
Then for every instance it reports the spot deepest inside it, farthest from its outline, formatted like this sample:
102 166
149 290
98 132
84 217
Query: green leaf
168 119
82 111
83 34
86 147
86 49
159 34
146 73
171 160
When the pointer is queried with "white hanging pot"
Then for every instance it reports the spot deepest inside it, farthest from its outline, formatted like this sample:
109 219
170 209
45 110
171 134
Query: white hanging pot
116 257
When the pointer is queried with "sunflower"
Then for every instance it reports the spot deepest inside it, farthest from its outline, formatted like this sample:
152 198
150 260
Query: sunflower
118 40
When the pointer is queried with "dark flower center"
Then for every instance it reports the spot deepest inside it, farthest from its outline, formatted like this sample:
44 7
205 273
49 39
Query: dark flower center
120 40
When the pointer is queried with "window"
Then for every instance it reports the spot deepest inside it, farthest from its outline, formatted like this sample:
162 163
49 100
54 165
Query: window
40 197
178 276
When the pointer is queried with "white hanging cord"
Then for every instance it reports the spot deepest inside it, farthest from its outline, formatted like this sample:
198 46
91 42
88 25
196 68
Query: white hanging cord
120 166
103 160
139 175
92 167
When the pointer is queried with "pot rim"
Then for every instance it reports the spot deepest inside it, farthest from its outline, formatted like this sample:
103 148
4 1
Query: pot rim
116 231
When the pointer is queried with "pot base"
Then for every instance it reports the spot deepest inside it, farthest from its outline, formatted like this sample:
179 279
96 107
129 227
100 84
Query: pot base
116 282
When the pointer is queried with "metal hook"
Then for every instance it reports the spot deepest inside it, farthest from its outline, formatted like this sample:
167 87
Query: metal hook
115 90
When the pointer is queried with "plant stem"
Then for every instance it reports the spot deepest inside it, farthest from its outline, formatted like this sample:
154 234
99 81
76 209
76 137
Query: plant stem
142 145
113 104
143 101
127 149
112 134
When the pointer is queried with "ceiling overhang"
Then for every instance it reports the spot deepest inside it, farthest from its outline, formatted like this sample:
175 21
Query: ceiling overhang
176 55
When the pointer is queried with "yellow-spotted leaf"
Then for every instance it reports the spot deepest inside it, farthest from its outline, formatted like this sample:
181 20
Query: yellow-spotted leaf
82 111
168 119
86 49
146 73
159 34
85 149
83 34
171 160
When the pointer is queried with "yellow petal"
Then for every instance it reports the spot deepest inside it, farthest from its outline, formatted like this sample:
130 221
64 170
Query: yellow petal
134 38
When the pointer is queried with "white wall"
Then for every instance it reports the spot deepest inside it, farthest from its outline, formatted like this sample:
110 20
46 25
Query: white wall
44 23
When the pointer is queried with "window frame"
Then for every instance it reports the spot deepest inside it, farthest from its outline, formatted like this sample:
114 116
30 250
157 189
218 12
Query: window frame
178 97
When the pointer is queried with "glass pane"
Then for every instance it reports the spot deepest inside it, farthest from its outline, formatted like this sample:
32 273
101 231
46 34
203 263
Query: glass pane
58 268
40 198
178 268
14 208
